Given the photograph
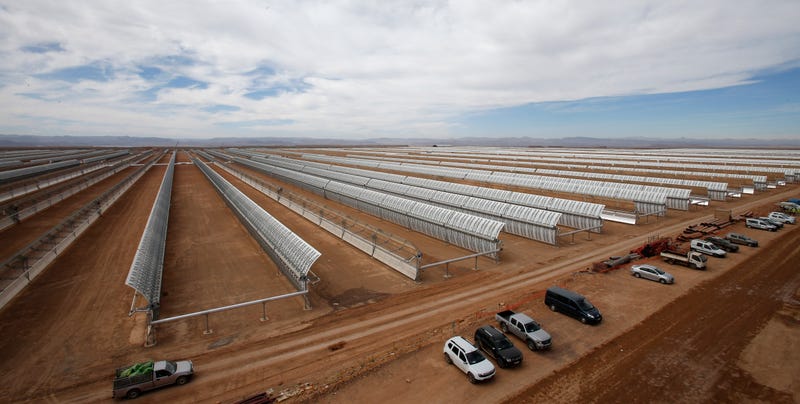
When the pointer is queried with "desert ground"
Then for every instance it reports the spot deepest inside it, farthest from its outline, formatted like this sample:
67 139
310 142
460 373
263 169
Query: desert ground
727 334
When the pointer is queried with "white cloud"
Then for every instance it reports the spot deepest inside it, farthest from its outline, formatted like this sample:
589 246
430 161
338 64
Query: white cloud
363 69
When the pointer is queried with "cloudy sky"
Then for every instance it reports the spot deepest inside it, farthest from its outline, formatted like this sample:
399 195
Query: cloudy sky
361 69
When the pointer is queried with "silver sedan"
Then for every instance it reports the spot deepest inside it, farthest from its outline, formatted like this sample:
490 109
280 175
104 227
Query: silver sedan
651 272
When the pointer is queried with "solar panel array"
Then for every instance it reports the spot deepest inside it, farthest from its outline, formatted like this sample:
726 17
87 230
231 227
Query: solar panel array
106 156
148 264
575 214
532 223
583 165
293 256
759 181
464 230
701 163
646 199
11 175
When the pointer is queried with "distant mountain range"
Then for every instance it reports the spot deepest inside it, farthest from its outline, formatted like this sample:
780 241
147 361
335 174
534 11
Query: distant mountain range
625 142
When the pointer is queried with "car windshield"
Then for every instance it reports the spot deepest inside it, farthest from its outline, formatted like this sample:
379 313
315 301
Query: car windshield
658 271
171 366
475 357
532 327
585 305
504 344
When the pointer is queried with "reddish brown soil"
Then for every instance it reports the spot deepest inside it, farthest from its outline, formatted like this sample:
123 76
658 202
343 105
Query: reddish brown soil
373 335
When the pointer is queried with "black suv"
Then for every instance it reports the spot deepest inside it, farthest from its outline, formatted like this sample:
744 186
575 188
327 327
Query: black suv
498 346
723 244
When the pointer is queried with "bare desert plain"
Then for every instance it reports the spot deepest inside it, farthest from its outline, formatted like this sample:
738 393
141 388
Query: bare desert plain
730 333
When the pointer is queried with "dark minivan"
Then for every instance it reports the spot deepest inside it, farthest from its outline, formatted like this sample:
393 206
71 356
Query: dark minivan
572 304
498 346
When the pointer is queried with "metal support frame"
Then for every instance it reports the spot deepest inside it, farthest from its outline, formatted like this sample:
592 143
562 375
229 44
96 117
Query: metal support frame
646 216
493 253
572 233
150 337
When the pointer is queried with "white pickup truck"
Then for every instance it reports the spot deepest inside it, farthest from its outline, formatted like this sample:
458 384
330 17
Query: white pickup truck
525 328
691 259
131 381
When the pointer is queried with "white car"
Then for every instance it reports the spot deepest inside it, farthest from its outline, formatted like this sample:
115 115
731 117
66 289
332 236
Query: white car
458 351
708 248
652 273
782 217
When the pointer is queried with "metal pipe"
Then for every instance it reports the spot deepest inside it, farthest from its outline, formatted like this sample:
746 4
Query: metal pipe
459 258
233 306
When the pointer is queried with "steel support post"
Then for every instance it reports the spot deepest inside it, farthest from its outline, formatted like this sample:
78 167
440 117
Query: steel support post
264 311
207 330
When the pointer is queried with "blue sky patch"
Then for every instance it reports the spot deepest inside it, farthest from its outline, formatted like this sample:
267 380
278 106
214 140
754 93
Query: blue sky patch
221 108
261 71
185 82
294 86
150 72
43 47
94 72
767 105
174 60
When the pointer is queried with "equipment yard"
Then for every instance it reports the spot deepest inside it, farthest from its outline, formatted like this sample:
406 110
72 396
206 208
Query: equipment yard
364 331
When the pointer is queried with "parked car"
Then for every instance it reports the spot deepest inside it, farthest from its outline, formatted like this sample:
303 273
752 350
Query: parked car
525 328
652 273
782 217
753 223
708 248
572 304
458 351
498 346
723 244
790 207
774 222
741 239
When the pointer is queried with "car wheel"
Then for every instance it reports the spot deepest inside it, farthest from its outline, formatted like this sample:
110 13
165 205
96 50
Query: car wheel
531 345
504 327
636 275
501 363
583 320
553 307
181 381
662 280
471 378
447 359
133 394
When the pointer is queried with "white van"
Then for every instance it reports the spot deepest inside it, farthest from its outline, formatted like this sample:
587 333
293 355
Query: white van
759 224
708 248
